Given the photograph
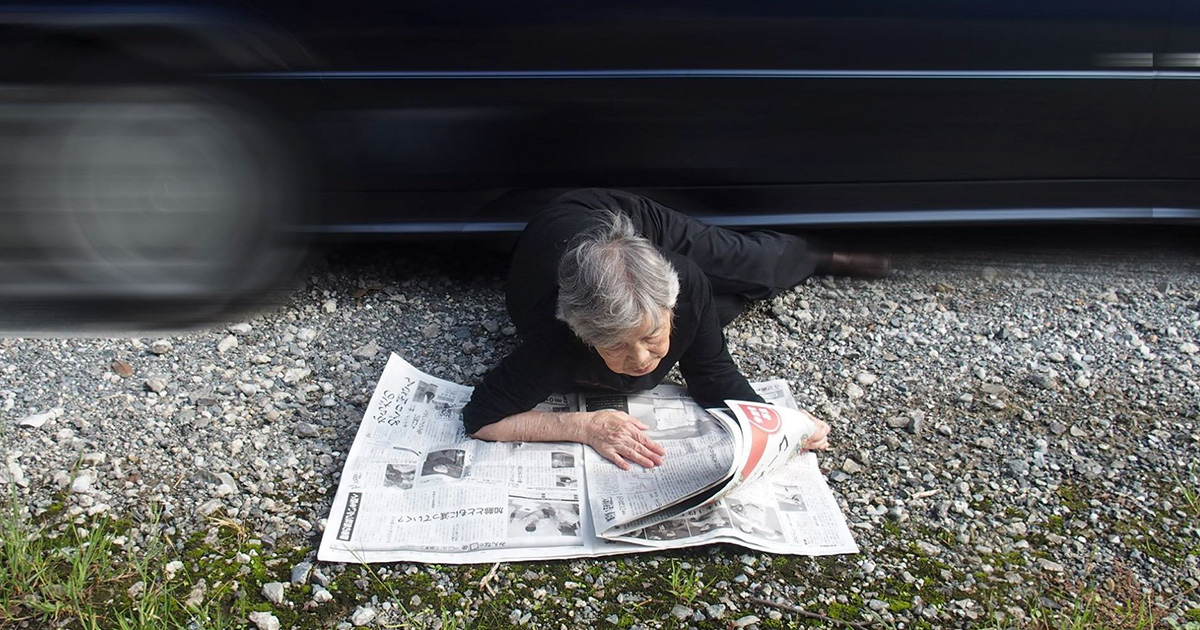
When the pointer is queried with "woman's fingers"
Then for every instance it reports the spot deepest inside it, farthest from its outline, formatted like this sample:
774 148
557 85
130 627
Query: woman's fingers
819 440
651 445
622 440
639 458
612 456
634 447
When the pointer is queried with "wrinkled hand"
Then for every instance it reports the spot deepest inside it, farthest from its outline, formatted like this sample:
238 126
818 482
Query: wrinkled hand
819 440
619 436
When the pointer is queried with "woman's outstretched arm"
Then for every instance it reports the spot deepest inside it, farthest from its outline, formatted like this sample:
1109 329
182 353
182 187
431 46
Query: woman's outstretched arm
616 435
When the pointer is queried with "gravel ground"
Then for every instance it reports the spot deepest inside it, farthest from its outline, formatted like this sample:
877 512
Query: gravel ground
1009 429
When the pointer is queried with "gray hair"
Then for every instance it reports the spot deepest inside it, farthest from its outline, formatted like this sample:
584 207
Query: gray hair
611 280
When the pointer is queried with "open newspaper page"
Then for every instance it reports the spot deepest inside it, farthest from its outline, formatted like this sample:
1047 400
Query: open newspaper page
763 436
789 510
416 488
785 507
771 435
700 454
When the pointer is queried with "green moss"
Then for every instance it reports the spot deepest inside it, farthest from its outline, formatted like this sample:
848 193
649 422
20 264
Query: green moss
1073 497
1008 559
1013 513
844 612
1193 615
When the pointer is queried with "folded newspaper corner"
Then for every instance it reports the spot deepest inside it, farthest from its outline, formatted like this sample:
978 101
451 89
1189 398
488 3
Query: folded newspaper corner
416 488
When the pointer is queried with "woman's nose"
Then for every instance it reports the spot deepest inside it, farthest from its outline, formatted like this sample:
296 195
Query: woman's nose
641 354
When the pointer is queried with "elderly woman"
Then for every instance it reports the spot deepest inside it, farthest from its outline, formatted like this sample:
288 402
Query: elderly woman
609 291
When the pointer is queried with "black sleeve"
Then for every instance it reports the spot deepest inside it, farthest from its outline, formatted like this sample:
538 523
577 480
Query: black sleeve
711 375
519 383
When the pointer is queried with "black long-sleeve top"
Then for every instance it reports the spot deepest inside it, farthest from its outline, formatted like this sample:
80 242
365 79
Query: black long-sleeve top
551 359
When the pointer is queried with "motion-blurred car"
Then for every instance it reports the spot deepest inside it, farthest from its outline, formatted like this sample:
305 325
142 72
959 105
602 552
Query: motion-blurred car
178 156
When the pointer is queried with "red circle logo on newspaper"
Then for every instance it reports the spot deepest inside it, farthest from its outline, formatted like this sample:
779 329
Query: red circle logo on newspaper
764 418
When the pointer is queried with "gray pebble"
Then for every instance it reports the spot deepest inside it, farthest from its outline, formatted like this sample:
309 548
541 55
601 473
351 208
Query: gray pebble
226 344
301 572
35 421
363 615
273 591
264 620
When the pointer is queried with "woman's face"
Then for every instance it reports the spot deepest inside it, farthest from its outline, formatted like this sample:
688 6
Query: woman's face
640 353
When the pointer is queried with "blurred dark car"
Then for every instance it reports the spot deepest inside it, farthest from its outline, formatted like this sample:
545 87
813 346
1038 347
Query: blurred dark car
173 159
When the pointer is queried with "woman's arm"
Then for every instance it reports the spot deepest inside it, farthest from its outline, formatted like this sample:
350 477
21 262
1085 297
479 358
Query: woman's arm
616 435
712 376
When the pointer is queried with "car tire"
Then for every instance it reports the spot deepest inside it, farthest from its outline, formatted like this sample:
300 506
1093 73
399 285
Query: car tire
172 197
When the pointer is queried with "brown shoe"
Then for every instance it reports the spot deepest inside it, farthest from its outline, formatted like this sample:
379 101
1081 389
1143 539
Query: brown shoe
860 265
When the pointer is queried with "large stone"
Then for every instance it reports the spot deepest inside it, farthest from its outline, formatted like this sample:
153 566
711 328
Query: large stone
928 549
367 351
196 595
1050 565
264 621
295 375
36 420
210 507
228 343
122 368
171 568
226 479
300 573
13 473
363 615
916 422
273 591
82 484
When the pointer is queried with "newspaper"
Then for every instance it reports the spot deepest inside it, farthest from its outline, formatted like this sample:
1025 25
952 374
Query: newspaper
416 488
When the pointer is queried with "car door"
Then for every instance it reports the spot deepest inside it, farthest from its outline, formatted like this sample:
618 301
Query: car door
1176 97
842 105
